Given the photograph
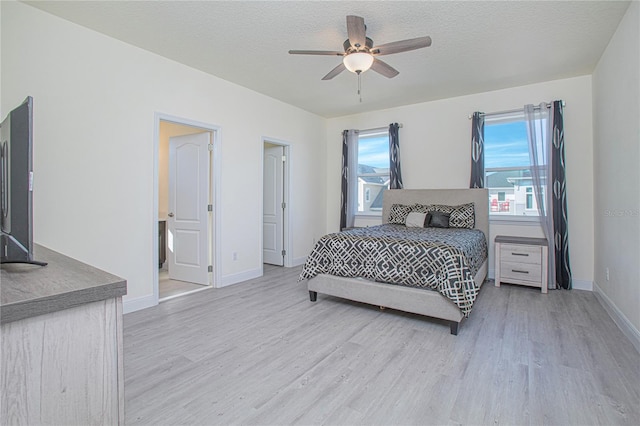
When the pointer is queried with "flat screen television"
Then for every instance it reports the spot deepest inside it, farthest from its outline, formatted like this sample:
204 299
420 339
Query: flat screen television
16 186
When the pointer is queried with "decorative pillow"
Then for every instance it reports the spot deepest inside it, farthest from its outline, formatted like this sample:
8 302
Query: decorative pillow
416 220
462 216
439 220
427 220
421 208
398 214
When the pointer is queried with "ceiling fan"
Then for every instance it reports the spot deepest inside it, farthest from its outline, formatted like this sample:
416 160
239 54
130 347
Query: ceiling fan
360 54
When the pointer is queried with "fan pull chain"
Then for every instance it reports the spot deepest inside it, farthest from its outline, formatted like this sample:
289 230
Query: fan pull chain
360 86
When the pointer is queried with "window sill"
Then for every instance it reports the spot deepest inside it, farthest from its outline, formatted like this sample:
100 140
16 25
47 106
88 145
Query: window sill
514 220
368 216
367 220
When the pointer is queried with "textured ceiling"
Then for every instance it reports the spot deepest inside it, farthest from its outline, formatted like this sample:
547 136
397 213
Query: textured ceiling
477 45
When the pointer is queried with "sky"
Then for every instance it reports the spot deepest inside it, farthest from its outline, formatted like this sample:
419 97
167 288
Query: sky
505 145
374 151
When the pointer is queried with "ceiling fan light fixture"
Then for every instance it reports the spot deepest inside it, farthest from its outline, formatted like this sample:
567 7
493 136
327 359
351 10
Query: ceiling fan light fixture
358 62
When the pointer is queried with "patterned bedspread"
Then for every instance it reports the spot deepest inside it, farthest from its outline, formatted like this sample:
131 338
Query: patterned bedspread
443 259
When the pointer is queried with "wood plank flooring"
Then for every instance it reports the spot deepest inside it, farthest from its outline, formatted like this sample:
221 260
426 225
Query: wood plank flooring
260 352
169 288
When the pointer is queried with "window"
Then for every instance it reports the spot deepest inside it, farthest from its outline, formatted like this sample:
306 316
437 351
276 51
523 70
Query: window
373 170
529 197
507 167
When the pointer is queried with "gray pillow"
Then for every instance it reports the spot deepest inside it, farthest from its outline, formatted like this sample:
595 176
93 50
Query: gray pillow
439 220
416 220
427 220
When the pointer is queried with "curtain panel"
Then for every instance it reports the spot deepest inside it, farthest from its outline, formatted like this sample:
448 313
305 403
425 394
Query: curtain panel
546 152
537 119
344 181
349 180
394 158
559 198
477 150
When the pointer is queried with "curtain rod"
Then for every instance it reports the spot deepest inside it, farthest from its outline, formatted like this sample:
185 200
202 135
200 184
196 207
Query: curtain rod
510 111
379 129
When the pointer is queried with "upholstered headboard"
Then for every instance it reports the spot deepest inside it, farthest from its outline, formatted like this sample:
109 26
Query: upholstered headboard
450 197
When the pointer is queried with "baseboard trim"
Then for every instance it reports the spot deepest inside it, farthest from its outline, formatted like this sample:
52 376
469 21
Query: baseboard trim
240 277
582 285
132 305
618 317
576 284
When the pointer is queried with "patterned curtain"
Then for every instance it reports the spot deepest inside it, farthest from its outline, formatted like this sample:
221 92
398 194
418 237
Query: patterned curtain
349 179
559 198
477 151
344 182
394 158
546 151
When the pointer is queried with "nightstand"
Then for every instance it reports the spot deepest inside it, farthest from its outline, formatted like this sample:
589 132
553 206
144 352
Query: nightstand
521 260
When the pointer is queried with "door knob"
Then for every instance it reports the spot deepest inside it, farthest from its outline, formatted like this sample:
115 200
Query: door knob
170 215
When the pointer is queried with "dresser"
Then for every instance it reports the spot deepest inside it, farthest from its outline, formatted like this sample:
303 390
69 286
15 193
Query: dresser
61 341
521 260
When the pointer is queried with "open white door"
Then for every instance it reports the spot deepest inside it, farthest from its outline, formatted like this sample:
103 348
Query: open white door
187 236
273 206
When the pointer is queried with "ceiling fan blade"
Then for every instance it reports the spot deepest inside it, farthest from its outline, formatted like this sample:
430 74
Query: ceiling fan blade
337 70
384 68
316 52
402 46
356 31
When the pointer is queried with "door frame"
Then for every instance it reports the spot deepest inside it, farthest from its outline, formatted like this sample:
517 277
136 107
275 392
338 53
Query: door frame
286 221
214 186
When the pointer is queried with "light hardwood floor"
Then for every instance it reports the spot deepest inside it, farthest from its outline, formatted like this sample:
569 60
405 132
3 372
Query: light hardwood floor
260 352
169 288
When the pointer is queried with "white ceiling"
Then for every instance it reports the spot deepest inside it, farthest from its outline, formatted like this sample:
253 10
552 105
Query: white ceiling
477 46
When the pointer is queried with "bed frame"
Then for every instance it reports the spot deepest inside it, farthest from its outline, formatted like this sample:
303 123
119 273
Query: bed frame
408 299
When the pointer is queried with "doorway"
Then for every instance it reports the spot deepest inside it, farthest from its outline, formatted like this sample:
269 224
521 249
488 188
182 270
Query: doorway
185 213
275 207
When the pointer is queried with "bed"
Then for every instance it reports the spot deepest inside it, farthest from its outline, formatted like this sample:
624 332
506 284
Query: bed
425 298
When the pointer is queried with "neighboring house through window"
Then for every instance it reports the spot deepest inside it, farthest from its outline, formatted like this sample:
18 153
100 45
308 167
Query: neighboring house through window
373 170
507 167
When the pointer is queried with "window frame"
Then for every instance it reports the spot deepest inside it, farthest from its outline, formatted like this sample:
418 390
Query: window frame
371 133
506 219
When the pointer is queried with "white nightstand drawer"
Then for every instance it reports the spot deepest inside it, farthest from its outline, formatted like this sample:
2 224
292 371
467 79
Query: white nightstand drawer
520 253
521 272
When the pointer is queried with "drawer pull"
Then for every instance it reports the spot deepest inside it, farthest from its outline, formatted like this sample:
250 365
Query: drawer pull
519 272
520 254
